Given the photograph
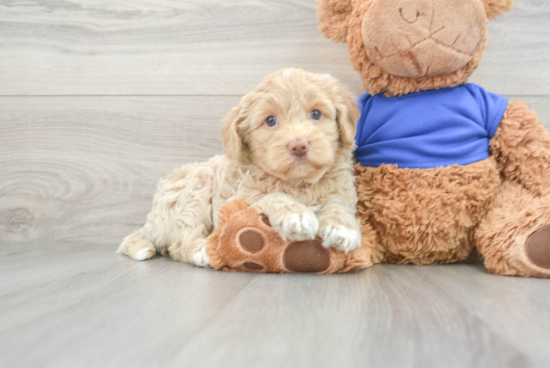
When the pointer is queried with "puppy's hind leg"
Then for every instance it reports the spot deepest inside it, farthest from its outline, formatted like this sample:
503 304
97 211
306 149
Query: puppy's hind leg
189 246
184 213
136 246
192 248
181 218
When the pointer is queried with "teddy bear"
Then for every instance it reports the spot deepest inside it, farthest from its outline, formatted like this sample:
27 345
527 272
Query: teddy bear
245 241
445 169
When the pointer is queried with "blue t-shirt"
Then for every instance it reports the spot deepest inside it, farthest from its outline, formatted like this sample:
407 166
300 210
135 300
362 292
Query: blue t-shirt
428 129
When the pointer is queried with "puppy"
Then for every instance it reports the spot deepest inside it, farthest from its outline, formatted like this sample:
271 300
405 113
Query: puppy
287 150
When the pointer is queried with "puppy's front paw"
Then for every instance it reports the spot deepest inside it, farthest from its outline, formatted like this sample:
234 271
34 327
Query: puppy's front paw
301 224
340 237
299 227
201 259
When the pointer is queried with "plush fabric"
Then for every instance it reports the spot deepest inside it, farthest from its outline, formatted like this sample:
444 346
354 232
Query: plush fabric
423 38
426 216
245 241
498 206
428 129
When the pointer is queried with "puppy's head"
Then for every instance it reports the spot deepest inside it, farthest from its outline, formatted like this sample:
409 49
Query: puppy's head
295 125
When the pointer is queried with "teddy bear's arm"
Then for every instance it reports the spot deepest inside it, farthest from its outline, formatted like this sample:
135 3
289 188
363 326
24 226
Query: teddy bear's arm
521 147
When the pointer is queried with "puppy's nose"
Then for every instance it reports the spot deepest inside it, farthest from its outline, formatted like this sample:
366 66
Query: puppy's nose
298 147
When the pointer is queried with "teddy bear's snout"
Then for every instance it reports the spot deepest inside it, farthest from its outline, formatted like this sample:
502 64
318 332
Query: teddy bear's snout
416 38
410 15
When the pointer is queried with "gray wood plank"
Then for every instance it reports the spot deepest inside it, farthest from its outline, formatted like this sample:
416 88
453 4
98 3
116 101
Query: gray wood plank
87 168
164 313
84 319
520 312
386 316
78 169
215 47
22 263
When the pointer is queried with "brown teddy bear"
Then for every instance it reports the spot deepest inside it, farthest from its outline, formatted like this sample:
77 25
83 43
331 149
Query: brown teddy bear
444 167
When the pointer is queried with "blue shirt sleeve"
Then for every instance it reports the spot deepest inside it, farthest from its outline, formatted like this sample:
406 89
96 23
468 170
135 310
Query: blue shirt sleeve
493 107
361 102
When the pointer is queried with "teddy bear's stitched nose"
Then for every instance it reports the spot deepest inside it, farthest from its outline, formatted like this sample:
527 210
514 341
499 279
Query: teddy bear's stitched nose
409 15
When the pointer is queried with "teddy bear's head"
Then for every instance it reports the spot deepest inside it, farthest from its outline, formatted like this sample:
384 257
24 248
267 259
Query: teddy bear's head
405 46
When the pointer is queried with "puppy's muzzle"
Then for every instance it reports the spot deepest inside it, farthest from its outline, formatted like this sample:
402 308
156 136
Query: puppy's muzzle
298 147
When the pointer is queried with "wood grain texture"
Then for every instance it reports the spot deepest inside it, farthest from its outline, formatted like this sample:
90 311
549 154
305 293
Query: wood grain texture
111 311
216 47
84 169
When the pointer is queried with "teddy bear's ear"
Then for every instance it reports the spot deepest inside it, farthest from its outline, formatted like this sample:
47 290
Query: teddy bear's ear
334 17
497 7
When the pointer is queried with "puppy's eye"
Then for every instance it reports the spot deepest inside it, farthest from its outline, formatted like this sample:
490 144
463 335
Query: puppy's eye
271 121
316 115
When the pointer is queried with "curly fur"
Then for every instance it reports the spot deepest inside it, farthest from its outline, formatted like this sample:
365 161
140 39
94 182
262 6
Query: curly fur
426 216
521 147
257 166
334 17
495 8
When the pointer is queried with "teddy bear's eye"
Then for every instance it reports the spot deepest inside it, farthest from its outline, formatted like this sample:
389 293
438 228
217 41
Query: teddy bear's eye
316 115
271 121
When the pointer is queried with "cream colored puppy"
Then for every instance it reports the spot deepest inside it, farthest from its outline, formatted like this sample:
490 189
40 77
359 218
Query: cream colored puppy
287 150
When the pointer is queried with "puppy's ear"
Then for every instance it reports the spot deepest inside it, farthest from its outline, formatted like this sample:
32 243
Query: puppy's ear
232 142
347 116
334 17
497 7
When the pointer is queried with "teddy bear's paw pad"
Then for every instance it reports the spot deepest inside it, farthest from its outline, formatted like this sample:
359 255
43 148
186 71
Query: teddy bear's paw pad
537 247
250 240
306 256
253 266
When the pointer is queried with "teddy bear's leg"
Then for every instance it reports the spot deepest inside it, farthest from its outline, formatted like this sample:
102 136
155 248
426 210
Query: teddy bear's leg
514 236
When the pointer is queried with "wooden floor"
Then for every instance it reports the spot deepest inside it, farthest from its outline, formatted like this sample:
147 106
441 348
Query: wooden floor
68 305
